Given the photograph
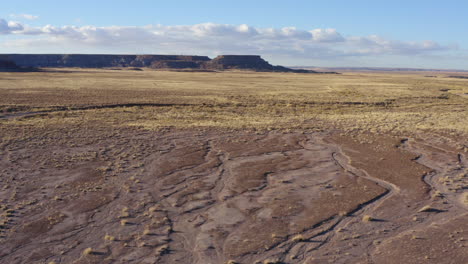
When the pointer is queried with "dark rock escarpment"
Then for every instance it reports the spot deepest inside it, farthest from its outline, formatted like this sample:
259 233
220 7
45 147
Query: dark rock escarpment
7 65
247 62
223 62
96 61
239 62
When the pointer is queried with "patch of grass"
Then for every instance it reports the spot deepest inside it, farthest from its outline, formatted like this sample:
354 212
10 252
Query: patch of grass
427 209
163 250
88 251
146 232
437 194
271 261
109 238
124 213
298 238
464 198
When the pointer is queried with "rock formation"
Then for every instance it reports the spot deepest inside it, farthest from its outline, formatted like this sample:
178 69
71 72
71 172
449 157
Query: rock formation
239 62
7 65
223 62
96 61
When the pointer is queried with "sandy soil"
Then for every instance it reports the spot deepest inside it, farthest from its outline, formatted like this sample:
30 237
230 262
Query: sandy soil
101 166
103 195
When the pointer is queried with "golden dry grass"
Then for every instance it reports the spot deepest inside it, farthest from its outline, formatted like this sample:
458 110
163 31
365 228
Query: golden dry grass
375 102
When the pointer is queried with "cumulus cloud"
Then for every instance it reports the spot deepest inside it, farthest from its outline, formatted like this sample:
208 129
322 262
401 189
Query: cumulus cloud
24 16
212 39
327 35
9 27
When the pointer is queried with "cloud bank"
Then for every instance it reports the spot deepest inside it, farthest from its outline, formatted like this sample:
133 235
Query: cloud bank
210 39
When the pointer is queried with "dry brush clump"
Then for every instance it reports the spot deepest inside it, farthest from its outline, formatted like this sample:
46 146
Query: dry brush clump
464 198
88 251
298 238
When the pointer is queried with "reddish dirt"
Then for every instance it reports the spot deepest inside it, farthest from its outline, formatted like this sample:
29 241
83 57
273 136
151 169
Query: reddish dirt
134 196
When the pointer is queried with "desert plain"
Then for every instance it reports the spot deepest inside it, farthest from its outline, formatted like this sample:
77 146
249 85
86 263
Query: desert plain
125 166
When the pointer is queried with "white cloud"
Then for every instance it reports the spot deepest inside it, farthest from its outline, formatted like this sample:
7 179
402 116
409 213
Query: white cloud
9 27
24 16
377 45
210 39
327 35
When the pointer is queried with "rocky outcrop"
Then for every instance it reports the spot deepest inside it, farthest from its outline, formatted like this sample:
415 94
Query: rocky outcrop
176 64
223 62
246 62
96 61
6 64
239 62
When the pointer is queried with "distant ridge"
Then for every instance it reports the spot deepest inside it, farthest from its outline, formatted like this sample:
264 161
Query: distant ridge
7 65
223 62
375 69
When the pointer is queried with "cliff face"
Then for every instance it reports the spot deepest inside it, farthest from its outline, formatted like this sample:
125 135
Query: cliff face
224 62
253 62
167 64
96 61
5 64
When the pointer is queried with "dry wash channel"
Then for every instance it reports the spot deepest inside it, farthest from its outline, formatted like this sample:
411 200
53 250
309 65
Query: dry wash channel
203 197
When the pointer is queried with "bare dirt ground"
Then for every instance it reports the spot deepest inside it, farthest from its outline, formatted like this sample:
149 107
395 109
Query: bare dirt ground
173 182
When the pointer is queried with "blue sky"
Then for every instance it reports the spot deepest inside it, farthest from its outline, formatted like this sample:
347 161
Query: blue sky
427 34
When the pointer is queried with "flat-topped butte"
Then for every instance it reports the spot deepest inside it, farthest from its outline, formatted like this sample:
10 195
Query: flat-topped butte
223 62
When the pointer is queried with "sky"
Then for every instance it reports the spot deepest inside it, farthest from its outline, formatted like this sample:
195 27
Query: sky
331 33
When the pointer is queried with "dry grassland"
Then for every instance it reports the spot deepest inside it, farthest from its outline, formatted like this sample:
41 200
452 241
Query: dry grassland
351 101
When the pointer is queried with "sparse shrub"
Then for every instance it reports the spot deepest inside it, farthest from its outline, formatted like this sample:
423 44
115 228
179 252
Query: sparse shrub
271 261
367 218
88 251
163 249
298 238
426 208
343 213
109 238
124 213
465 198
